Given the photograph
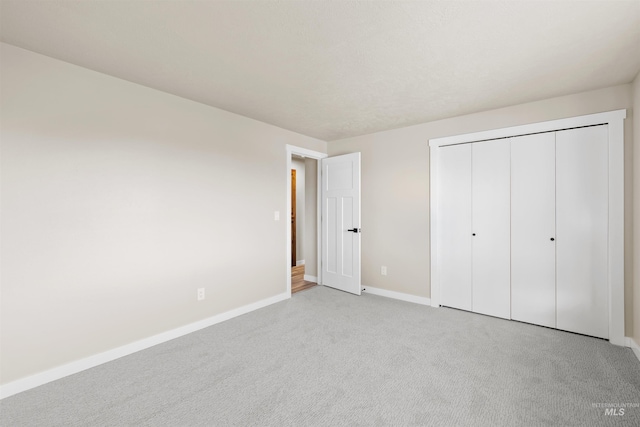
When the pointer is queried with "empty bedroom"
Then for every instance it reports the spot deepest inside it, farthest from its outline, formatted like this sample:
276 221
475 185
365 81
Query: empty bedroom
319 213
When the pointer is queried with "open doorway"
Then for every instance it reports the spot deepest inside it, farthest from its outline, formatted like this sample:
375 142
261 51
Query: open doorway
303 224
303 206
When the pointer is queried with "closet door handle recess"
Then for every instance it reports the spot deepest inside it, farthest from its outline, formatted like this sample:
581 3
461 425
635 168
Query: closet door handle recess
552 239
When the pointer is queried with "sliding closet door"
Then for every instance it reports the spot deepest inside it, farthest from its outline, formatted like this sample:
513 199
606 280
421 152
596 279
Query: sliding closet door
533 223
454 225
582 206
491 231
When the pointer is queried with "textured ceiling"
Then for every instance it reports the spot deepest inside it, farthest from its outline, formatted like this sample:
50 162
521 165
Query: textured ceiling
334 69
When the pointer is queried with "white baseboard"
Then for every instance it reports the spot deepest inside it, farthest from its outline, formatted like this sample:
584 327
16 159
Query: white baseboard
631 343
39 379
397 295
299 262
308 278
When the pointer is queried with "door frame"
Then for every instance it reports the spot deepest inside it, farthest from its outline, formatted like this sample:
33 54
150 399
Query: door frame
615 264
318 156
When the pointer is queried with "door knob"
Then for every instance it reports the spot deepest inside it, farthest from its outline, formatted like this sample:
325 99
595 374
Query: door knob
473 234
355 230
552 239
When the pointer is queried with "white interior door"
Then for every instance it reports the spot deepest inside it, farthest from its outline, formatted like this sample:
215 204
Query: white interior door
533 229
454 225
490 164
341 222
582 221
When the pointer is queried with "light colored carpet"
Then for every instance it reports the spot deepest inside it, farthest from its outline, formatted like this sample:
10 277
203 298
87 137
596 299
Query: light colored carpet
329 358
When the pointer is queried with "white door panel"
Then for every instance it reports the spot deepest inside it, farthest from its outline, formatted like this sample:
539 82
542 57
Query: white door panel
341 212
582 224
533 221
349 239
330 262
454 225
490 227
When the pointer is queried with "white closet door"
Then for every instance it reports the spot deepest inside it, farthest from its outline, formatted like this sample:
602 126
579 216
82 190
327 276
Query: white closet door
533 223
454 225
490 228
582 206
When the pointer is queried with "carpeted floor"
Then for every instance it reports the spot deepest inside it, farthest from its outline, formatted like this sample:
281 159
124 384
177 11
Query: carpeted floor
328 358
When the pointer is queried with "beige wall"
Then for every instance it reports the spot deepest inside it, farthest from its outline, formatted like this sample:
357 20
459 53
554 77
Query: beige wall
311 222
636 210
395 185
118 202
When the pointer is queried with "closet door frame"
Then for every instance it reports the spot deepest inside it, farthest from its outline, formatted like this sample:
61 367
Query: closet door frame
615 254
